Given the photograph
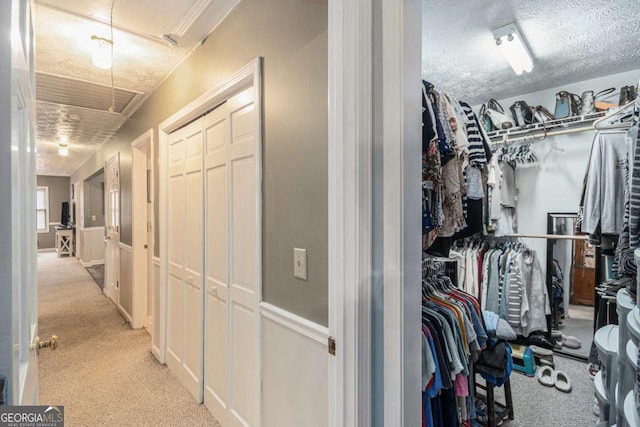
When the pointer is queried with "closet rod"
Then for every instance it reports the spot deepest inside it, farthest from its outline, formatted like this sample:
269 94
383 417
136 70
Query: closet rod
548 236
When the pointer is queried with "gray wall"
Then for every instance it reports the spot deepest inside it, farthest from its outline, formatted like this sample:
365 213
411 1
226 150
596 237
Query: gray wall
94 201
59 191
291 36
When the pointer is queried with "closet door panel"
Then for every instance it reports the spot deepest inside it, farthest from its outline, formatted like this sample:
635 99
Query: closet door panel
175 344
216 378
244 223
193 228
244 262
216 363
244 369
175 282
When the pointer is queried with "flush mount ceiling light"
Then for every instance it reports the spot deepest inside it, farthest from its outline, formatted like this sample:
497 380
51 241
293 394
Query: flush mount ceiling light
63 147
101 52
512 46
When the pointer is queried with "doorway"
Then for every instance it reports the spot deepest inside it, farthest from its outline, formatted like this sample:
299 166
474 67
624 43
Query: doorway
142 236
112 232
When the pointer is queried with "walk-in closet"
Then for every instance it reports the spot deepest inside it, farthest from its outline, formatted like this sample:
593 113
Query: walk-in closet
530 211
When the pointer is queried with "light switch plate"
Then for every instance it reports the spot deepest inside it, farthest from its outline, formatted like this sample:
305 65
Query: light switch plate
93 217
300 263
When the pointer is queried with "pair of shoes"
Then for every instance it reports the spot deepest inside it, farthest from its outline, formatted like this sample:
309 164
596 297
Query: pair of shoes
549 378
570 342
593 369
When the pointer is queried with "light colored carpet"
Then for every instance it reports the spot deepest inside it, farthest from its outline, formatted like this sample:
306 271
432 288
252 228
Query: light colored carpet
536 405
103 371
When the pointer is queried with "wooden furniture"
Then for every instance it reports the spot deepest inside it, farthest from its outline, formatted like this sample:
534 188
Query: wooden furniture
64 241
584 273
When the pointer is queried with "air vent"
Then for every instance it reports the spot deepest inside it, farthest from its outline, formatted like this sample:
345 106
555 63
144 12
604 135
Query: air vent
78 93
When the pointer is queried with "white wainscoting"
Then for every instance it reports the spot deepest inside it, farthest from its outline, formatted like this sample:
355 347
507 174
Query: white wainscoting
295 370
90 245
125 291
157 340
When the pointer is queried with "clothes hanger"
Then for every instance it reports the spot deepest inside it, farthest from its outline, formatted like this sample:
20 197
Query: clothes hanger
603 122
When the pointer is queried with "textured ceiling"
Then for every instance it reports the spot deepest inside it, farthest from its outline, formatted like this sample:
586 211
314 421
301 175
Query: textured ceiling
73 96
570 40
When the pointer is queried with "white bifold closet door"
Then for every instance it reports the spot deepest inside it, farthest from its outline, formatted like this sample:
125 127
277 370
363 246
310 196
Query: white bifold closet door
185 257
214 260
232 262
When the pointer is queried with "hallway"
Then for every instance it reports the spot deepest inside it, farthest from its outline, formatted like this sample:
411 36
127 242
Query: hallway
103 372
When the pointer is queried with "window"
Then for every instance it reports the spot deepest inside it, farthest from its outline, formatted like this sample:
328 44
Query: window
42 209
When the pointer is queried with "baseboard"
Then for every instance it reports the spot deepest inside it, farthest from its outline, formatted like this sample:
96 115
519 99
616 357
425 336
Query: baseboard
91 263
126 315
44 250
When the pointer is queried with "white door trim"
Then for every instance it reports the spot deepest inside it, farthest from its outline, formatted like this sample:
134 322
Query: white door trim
140 259
249 75
350 210
402 223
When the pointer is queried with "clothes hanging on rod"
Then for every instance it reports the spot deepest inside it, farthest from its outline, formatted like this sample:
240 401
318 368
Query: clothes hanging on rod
453 336
454 157
629 238
507 280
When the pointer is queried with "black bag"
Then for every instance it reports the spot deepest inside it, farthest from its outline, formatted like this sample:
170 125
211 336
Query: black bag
521 111
627 94
567 104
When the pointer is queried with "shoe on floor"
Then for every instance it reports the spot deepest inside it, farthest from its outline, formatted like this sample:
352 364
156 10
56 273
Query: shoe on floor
561 381
544 374
571 342
593 369
540 351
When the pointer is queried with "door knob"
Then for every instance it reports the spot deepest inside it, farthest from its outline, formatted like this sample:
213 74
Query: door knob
146 246
106 238
52 343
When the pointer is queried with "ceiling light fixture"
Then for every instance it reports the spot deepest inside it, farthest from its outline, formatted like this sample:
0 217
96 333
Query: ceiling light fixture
512 46
63 149
101 54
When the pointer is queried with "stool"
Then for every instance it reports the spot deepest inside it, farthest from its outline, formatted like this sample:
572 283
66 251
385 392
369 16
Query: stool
491 402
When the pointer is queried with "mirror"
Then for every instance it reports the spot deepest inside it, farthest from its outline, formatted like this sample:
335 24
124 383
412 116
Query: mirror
571 279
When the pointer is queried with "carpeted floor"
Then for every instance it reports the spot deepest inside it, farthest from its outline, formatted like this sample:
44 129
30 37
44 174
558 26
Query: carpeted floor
536 405
97 273
103 371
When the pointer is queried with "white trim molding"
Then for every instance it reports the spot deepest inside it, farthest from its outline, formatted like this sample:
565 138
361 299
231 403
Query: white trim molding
350 210
125 247
401 192
155 311
92 263
292 321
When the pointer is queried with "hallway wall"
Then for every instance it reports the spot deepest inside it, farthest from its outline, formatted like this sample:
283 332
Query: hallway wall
291 35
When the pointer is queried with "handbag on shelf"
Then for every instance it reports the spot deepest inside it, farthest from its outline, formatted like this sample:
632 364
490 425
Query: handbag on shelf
522 113
590 100
627 94
499 119
542 116
567 104
485 119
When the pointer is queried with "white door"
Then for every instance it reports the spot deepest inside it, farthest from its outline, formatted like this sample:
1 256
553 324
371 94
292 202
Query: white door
140 233
185 257
18 288
233 259
112 220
